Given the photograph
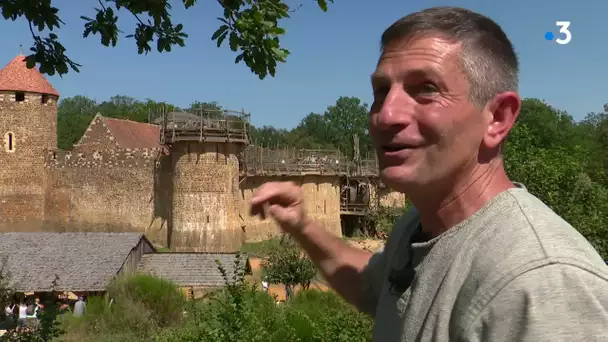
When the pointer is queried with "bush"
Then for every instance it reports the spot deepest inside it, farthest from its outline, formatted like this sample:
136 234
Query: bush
241 313
161 298
324 316
142 306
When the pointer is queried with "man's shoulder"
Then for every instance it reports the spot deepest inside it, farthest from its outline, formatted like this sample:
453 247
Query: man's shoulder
548 301
538 228
517 235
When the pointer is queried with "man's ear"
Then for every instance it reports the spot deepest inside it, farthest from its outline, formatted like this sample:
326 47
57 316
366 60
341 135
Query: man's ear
502 112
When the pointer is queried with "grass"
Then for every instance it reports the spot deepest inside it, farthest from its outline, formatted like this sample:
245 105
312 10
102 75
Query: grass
261 248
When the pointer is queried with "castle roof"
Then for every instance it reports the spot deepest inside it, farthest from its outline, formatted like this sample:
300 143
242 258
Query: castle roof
82 261
133 134
15 76
191 269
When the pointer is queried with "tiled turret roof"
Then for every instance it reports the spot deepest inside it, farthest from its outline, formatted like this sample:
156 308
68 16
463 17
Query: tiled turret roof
15 76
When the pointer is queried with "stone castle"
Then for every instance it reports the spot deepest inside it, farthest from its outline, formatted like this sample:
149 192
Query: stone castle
184 180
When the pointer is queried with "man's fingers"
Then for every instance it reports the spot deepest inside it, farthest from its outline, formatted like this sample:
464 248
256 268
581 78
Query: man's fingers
272 193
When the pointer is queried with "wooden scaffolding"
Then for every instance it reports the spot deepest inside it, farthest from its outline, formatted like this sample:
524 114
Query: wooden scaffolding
203 125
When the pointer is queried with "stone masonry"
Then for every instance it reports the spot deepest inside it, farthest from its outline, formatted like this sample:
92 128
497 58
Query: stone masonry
119 178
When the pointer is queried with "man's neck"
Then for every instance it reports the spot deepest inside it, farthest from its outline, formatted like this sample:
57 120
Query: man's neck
444 209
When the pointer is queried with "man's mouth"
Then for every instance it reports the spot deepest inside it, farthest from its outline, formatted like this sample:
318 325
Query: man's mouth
397 147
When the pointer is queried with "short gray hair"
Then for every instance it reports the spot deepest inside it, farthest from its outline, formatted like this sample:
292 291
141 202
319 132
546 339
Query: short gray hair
487 57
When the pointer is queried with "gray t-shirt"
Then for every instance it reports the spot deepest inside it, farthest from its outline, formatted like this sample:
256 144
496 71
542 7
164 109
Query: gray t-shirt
79 307
513 271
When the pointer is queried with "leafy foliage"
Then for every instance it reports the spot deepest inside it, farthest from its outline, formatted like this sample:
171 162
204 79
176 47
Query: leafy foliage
334 129
242 313
286 264
252 28
135 308
563 163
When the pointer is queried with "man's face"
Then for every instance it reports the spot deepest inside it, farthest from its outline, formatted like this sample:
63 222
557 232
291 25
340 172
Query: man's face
424 128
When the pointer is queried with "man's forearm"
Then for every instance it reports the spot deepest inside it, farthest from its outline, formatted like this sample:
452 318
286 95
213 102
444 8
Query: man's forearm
340 263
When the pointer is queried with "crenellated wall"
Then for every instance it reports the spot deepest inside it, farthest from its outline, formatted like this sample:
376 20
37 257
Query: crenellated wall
105 191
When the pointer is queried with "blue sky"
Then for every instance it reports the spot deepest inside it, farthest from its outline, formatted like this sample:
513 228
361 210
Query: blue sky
333 55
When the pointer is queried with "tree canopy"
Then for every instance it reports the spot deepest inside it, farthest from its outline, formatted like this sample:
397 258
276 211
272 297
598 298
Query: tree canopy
251 28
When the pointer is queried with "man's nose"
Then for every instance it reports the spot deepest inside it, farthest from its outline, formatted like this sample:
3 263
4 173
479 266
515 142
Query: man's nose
396 111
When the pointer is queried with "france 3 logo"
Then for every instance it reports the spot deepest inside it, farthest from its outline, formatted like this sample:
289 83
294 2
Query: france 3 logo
564 35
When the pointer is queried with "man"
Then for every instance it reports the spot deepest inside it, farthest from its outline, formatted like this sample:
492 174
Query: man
79 307
22 314
480 258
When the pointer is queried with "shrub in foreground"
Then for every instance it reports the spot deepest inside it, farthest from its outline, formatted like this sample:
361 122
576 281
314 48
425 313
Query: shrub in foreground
141 306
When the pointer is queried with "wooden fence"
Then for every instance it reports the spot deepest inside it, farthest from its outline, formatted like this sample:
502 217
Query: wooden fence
204 126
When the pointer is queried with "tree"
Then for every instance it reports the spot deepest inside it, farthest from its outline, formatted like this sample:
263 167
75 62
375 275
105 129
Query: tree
205 106
348 117
251 27
74 114
268 136
286 264
554 157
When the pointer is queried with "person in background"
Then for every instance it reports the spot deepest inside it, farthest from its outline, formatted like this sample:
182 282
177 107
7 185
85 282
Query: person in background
9 309
37 308
22 318
9 314
79 307
38 304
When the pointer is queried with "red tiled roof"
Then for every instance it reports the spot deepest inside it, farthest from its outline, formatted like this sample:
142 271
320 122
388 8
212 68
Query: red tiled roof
132 134
15 76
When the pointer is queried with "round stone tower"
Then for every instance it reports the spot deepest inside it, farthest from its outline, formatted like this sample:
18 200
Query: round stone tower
204 149
28 127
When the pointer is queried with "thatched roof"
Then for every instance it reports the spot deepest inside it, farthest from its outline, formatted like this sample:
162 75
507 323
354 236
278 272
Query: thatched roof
82 261
190 269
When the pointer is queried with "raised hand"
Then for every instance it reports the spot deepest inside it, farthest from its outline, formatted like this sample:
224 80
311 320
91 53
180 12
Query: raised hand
283 202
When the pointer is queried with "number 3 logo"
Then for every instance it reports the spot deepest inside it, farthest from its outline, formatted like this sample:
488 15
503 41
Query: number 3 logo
563 28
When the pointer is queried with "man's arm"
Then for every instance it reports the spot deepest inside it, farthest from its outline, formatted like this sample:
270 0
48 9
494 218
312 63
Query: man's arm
556 302
347 269
342 265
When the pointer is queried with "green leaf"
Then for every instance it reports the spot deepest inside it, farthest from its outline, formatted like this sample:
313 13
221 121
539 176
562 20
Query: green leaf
221 38
219 32
322 5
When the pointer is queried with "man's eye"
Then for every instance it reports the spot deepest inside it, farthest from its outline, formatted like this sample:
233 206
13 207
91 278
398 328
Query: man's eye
380 92
422 89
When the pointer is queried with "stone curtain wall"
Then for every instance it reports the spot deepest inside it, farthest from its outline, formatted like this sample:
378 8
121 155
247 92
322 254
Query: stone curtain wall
205 197
105 191
322 195
30 120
